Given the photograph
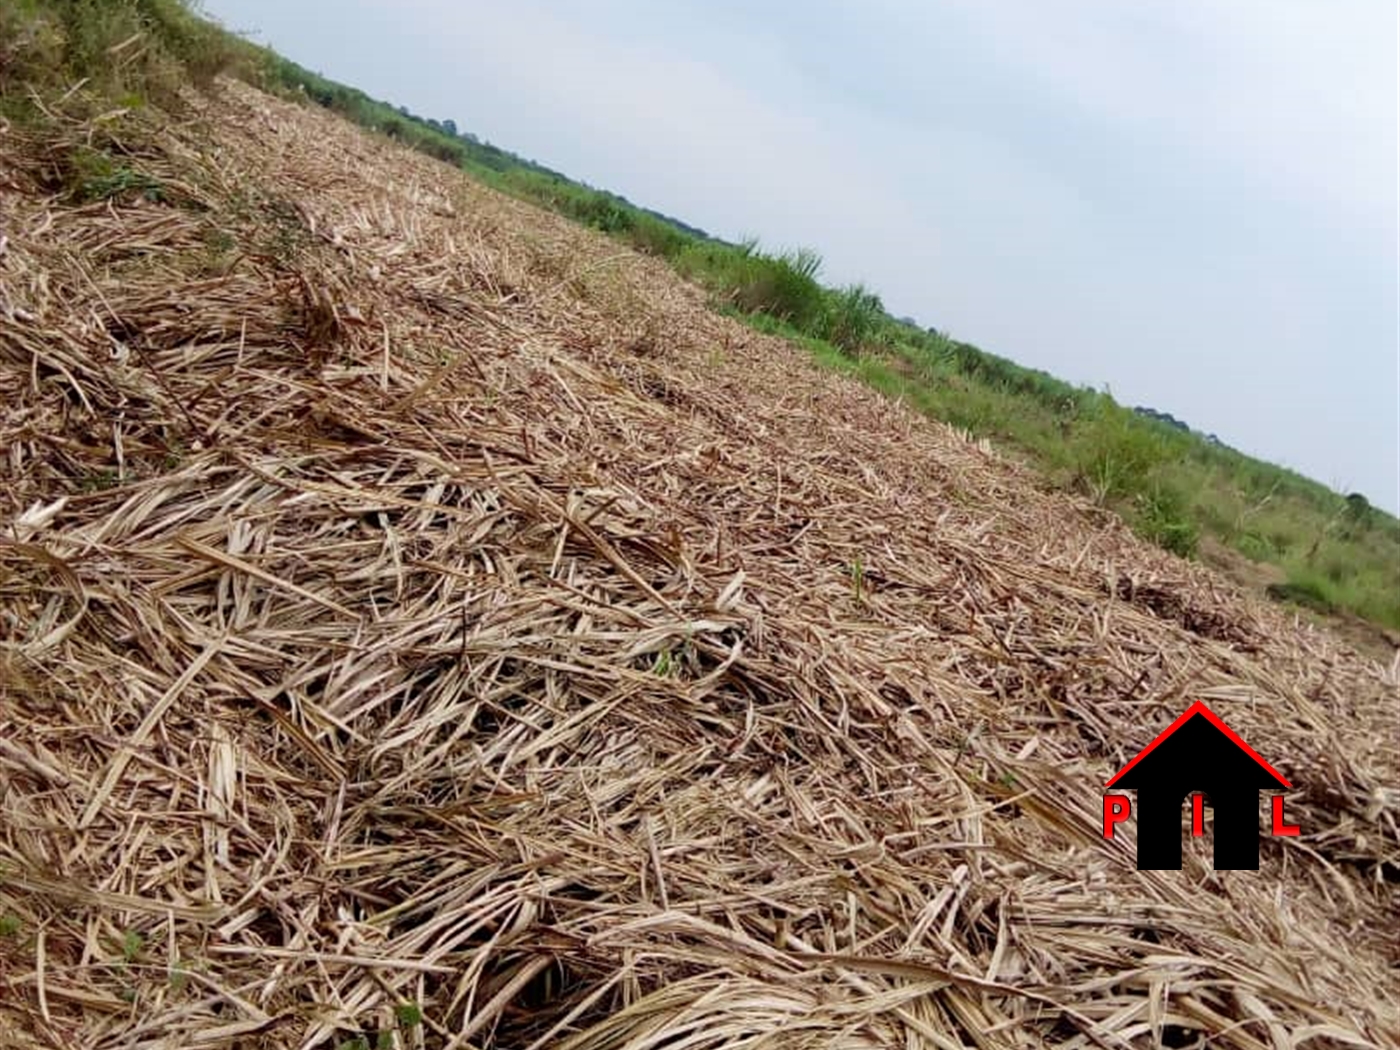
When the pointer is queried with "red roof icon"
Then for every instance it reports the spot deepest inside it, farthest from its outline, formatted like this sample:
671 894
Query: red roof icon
1198 708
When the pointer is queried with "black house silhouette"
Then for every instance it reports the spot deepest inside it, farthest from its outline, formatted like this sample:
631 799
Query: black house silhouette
1198 752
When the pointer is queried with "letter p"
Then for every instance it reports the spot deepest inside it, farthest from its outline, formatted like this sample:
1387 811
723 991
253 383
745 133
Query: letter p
1116 808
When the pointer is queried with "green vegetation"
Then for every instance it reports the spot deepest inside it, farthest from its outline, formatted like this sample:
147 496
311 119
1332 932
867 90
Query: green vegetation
407 1016
663 665
858 580
94 175
132 943
127 51
1175 486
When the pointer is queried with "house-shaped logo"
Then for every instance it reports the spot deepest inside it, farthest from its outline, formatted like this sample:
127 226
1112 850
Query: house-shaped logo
1197 755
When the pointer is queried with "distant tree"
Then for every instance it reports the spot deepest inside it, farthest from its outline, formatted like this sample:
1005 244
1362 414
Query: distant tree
450 127
1161 417
1358 512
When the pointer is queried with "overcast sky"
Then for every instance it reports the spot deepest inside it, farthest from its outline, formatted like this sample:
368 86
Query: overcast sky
1193 202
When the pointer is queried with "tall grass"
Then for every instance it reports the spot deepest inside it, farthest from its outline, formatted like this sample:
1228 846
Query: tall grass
853 318
128 50
782 285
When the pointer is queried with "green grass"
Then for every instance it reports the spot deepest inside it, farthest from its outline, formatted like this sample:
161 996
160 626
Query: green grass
128 51
1175 487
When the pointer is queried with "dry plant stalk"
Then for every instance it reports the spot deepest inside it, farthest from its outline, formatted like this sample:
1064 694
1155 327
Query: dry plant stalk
393 647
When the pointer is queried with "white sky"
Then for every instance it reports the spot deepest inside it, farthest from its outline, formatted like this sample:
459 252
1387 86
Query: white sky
1193 202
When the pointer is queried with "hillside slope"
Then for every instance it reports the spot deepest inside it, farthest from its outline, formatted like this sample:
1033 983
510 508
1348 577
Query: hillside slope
1266 527
426 624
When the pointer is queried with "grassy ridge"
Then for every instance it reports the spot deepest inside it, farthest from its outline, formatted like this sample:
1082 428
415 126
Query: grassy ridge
1334 553
127 51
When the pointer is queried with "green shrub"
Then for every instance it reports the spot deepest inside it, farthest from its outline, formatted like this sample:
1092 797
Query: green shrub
118 48
1358 515
32 44
852 317
783 286
603 213
1114 453
1164 518
656 237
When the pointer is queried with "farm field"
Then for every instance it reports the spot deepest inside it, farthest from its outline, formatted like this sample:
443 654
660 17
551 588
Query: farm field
425 622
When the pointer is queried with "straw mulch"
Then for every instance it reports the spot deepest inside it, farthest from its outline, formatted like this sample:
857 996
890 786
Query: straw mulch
425 624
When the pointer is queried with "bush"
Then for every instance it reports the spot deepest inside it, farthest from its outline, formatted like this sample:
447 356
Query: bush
1115 453
1164 519
129 48
783 286
656 237
1358 514
852 318
200 47
32 46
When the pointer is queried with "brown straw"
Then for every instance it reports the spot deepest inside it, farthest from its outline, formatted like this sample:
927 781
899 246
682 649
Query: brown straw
424 625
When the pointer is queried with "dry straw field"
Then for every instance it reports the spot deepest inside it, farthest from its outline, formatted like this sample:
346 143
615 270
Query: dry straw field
424 625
